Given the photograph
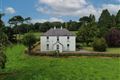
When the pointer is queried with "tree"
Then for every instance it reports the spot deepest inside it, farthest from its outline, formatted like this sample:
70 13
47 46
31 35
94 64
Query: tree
113 24
1 22
37 26
73 25
45 26
3 42
92 18
85 19
27 20
104 22
87 33
118 20
10 34
15 21
28 40
113 37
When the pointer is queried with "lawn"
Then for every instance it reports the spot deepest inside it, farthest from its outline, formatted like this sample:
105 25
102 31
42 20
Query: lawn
111 50
37 34
21 66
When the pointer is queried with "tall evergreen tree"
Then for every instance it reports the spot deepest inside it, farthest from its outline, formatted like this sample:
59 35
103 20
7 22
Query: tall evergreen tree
118 19
104 22
113 24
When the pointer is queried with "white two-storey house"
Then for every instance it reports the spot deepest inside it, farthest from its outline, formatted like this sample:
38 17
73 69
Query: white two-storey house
58 39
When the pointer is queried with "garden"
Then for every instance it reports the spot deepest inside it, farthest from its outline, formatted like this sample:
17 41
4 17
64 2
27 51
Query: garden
21 66
101 36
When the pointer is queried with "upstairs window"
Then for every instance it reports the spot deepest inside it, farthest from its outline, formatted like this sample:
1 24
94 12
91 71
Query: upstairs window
68 38
47 38
57 38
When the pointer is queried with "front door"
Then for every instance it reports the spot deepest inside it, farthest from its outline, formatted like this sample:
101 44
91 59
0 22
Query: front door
58 47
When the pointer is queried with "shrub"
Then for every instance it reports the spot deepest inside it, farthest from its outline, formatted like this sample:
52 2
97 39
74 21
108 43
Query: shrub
56 53
28 40
99 44
78 46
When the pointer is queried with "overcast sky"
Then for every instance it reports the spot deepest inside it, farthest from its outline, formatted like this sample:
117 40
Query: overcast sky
57 10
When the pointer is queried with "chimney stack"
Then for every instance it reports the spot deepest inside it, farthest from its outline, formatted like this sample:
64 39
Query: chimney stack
54 27
61 27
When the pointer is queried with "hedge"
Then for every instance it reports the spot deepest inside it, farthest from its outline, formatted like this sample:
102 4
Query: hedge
99 54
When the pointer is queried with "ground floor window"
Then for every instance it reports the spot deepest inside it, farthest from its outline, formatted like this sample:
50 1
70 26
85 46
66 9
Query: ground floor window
47 46
68 45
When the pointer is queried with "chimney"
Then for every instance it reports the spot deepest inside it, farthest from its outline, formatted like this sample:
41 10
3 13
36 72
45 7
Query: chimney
54 27
61 27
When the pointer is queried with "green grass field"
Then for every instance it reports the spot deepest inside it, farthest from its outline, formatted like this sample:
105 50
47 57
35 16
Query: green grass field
21 66
111 50
37 34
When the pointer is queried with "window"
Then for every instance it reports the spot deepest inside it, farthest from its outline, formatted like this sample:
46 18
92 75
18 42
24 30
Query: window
57 38
68 38
57 47
47 38
68 45
47 46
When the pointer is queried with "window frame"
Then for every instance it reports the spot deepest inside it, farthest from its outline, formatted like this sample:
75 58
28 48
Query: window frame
47 46
47 38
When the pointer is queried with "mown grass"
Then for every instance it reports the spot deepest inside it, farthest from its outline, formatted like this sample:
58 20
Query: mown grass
111 50
24 67
37 35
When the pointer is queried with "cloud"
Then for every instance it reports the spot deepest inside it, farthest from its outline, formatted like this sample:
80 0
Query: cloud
73 8
10 10
53 19
111 7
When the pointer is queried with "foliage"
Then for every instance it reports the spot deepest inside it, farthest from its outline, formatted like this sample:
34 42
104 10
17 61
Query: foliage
118 20
99 44
87 33
10 34
56 53
73 25
104 22
2 58
28 40
3 43
24 67
113 37
16 20
1 22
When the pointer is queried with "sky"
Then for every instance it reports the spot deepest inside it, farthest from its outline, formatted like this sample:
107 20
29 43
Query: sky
56 10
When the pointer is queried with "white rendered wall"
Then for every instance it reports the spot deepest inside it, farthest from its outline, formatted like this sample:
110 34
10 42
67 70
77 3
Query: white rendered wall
62 39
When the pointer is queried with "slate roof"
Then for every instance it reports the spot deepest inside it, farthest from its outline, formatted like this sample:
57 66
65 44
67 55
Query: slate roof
58 32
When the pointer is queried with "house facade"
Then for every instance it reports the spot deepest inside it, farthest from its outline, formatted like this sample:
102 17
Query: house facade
58 39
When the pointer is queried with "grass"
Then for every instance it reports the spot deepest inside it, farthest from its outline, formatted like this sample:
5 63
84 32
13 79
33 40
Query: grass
111 50
24 67
37 34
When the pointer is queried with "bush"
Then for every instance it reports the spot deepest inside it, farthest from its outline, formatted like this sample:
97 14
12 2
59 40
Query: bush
56 53
99 44
78 46
29 40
